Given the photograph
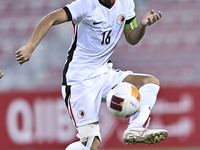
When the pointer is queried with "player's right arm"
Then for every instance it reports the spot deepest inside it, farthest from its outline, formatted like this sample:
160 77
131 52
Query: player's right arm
53 18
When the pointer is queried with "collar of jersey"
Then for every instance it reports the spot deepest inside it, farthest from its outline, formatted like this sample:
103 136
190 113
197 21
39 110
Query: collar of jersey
106 5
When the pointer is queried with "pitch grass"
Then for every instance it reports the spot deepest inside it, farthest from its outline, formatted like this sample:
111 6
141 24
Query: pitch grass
170 148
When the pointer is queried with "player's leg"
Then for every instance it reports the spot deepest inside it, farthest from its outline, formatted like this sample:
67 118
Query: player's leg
88 133
148 87
140 80
89 136
76 145
81 146
83 101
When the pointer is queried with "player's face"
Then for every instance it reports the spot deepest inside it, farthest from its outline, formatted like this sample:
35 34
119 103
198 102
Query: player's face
109 2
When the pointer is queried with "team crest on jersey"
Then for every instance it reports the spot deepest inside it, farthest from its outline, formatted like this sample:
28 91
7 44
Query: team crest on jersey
121 19
81 114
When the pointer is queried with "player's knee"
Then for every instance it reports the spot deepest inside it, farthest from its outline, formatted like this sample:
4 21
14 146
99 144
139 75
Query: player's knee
96 143
152 79
74 146
140 80
90 136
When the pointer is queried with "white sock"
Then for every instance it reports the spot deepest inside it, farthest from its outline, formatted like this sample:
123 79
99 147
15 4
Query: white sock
76 146
148 94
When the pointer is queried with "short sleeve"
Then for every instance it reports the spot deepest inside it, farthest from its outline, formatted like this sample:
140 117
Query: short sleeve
78 9
131 9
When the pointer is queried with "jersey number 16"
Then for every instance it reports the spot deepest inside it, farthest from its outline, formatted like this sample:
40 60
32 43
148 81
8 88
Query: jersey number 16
106 37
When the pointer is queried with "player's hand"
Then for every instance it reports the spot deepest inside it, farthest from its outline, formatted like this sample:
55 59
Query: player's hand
24 53
151 17
1 74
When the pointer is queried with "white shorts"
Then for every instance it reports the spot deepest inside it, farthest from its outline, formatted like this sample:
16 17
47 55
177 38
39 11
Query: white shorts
83 99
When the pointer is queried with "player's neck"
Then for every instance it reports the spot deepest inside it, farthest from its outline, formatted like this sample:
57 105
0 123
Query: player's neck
109 2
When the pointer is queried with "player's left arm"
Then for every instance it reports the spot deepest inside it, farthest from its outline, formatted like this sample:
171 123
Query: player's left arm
134 32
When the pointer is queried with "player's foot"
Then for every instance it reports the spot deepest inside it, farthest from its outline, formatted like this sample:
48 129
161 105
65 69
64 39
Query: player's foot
146 136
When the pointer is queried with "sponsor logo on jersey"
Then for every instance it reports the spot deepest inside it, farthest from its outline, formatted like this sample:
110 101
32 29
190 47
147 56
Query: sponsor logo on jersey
121 19
81 114
94 23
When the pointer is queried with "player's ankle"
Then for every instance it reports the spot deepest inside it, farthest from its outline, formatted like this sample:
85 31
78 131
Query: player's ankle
135 125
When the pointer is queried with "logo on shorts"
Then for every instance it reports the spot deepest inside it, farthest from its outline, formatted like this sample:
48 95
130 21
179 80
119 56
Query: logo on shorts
81 114
120 19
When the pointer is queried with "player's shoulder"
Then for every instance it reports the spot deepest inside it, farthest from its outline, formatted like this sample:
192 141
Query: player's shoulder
78 5
84 2
88 1
128 2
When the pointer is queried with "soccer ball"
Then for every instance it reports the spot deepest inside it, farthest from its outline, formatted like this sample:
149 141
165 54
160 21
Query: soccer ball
123 100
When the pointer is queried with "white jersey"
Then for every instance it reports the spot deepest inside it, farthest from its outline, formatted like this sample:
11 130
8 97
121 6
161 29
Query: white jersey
97 29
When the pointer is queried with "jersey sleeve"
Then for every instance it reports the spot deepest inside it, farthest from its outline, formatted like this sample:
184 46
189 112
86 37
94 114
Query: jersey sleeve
131 22
78 9
131 9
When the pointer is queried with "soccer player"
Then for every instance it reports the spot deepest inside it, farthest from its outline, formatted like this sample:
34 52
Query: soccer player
1 74
88 74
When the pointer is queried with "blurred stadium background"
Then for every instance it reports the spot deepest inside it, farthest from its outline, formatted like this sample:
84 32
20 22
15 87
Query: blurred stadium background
32 112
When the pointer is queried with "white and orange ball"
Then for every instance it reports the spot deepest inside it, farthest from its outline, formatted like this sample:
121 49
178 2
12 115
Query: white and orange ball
123 100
